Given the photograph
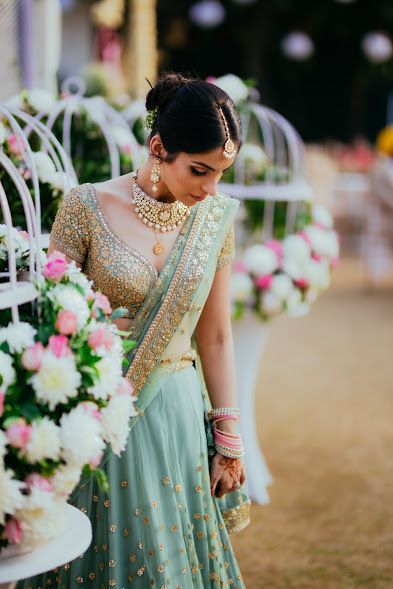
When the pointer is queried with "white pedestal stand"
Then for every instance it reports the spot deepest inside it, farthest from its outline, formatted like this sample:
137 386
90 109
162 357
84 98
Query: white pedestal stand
73 541
250 336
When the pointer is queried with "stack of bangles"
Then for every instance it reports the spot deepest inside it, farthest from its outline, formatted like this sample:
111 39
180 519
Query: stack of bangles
229 445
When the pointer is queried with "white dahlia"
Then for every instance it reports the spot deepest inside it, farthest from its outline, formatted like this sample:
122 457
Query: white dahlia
77 277
67 297
318 275
324 243
260 260
7 371
65 479
19 336
57 380
109 377
271 304
81 437
115 421
295 248
44 165
241 287
253 158
11 497
40 524
281 286
44 441
57 180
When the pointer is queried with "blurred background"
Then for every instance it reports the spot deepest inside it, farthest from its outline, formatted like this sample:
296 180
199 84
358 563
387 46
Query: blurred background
324 392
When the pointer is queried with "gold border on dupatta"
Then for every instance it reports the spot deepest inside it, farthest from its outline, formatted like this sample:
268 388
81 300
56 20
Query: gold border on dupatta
184 283
237 518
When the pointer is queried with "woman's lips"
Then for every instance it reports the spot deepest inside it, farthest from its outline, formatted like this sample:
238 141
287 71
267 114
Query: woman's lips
198 197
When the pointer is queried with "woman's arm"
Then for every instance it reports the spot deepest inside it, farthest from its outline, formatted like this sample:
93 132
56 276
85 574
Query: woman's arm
215 346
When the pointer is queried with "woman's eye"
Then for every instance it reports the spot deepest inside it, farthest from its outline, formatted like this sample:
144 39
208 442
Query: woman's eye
197 172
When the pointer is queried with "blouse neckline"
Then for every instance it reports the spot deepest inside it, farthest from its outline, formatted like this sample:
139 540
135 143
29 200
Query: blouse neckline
154 273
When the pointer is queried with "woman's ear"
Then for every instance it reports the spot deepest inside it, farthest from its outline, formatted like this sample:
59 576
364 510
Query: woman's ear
156 147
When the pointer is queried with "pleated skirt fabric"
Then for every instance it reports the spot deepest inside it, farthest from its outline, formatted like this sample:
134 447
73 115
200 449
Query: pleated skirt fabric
159 526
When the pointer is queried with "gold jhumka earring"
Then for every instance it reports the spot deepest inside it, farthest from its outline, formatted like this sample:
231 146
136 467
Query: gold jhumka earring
229 146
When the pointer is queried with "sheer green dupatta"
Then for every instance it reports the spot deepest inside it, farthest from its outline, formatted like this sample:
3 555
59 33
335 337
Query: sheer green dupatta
173 307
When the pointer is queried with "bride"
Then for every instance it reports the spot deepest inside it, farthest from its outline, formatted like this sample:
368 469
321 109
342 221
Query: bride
159 243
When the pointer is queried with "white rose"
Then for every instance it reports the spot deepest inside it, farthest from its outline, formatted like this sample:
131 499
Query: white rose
109 377
318 275
233 86
11 497
65 479
19 336
44 165
81 437
241 287
281 286
3 133
295 248
44 441
271 304
324 243
115 421
296 270
7 371
42 101
41 524
57 180
253 158
322 216
295 306
68 297
57 380
260 260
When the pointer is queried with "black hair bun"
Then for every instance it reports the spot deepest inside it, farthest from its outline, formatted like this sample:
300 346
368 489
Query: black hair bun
166 87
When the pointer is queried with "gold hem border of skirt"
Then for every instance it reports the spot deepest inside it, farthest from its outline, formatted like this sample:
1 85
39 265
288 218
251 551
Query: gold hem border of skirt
237 518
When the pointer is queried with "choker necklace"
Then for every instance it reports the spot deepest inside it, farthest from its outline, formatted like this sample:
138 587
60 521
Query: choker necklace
159 216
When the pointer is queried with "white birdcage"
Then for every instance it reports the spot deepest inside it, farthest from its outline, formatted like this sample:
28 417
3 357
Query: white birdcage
14 292
285 174
115 131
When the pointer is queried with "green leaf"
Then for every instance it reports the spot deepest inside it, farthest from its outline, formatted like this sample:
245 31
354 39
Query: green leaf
128 345
119 312
102 480
30 411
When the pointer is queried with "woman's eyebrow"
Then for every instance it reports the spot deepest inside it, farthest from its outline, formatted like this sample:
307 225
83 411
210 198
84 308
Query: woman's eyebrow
209 167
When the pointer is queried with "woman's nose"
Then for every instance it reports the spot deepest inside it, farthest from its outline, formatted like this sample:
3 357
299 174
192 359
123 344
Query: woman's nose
210 186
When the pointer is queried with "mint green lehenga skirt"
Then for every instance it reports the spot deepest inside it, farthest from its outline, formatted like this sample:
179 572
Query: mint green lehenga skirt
159 526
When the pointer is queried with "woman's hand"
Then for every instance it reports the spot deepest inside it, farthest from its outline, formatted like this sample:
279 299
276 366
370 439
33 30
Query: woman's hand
225 473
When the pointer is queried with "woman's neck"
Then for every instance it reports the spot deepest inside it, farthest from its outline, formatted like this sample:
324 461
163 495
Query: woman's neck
163 194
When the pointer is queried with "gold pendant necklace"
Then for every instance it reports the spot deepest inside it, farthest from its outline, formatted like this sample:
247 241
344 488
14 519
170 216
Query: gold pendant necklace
159 216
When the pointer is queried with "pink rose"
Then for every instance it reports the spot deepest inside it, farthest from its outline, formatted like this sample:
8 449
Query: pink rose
263 282
58 345
239 266
316 257
40 482
96 461
16 145
100 337
56 266
276 247
18 433
304 236
125 388
301 283
13 531
91 409
66 322
2 395
32 357
126 149
101 302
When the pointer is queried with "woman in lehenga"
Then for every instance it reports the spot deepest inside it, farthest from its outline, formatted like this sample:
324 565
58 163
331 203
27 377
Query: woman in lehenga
159 242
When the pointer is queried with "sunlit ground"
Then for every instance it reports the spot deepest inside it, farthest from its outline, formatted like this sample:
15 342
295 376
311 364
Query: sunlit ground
325 420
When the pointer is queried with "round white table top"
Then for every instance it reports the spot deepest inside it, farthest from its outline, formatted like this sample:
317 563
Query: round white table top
73 541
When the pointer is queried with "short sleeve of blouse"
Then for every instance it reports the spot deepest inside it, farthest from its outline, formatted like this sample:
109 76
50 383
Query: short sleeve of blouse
70 229
227 252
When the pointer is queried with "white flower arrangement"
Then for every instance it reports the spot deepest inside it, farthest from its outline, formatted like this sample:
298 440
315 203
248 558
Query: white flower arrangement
20 244
286 276
233 86
63 400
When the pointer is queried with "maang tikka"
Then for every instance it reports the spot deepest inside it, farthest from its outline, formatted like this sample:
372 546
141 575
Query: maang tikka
155 173
229 146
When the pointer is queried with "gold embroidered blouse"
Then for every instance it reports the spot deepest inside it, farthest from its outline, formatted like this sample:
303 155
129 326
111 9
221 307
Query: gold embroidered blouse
123 274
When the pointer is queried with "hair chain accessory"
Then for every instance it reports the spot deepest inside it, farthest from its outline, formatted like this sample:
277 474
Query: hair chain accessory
229 146
155 173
